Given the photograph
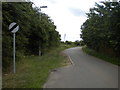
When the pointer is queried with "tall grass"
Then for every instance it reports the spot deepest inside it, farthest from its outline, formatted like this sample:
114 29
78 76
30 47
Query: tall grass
111 59
33 71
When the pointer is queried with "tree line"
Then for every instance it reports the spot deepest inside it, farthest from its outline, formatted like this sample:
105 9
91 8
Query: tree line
37 31
75 43
101 31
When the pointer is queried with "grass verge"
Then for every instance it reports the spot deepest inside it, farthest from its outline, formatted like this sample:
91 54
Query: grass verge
113 60
33 71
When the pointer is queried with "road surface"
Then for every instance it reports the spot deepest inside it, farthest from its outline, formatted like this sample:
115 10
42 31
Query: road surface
86 72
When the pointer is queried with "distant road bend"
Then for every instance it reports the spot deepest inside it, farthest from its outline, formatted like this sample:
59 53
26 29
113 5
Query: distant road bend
86 72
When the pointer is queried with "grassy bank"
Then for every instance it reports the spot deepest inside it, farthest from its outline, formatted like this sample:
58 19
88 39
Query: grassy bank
113 60
33 71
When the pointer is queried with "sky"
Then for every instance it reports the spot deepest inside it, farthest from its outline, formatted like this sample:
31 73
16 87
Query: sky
68 15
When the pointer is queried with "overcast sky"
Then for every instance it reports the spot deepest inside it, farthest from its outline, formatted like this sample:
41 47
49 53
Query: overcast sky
68 15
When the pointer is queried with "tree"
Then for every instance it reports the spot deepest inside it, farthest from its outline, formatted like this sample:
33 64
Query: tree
36 30
101 29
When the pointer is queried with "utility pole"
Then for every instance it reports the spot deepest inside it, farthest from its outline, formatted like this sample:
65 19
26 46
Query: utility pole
40 20
64 37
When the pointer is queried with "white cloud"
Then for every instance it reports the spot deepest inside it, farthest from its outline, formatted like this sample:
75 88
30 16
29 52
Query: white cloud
68 15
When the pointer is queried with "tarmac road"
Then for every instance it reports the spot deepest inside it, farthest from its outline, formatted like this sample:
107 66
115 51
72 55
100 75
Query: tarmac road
85 72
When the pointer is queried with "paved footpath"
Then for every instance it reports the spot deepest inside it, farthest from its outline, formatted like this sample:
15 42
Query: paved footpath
86 72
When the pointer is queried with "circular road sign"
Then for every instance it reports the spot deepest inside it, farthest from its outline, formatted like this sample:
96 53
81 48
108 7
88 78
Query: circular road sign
13 27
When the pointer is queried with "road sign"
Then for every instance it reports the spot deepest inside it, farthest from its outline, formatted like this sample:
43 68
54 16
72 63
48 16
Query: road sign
13 27
43 6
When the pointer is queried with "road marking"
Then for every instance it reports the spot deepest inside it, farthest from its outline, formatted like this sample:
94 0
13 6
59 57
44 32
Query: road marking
70 60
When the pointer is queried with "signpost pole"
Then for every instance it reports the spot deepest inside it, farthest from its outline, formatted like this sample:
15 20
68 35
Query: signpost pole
14 67
13 27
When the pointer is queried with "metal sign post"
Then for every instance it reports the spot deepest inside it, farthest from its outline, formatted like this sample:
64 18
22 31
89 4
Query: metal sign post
14 67
13 27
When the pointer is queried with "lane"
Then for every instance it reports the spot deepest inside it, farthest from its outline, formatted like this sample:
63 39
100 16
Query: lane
86 72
